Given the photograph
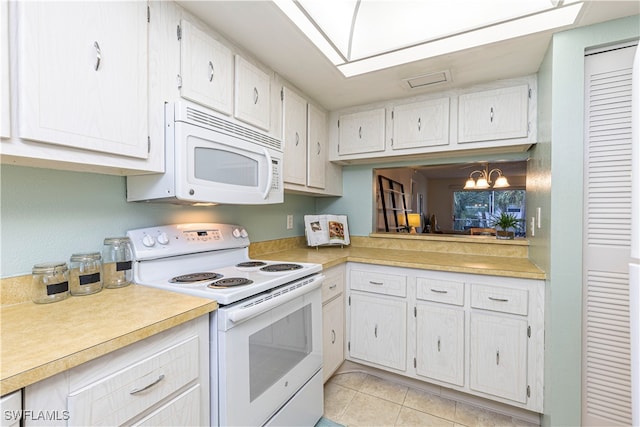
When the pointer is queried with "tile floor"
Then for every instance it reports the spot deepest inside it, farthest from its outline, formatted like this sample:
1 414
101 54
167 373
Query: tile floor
360 399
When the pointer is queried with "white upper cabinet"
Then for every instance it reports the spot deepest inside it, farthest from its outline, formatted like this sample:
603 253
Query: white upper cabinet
361 132
421 124
317 147
206 69
82 75
252 94
494 114
295 138
5 106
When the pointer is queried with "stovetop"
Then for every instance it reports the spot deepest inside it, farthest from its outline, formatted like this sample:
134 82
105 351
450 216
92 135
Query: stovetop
166 252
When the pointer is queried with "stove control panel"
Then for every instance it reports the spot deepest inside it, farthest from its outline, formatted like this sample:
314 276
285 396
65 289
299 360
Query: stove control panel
179 239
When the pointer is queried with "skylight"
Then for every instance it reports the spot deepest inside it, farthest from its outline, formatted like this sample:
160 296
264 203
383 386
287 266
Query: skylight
359 36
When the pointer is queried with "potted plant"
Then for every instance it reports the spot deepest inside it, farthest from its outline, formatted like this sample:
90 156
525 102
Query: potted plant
505 225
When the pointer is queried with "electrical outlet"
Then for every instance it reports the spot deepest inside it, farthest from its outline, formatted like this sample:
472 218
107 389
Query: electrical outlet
289 222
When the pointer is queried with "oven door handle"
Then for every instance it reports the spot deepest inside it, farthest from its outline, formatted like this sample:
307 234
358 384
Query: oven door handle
242 314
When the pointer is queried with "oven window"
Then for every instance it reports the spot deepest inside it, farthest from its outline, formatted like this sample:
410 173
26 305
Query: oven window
225 167
276 349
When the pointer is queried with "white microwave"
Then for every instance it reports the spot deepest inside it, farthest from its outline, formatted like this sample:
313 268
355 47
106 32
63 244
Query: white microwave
212 160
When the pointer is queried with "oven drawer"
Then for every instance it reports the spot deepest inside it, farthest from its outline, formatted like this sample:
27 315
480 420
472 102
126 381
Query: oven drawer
116 398
505 300
379 283
444 291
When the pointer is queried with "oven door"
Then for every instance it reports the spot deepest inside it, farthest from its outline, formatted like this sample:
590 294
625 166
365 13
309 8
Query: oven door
215 167
266 358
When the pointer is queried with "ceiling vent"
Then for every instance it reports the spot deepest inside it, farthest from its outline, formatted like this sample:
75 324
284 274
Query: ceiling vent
428 80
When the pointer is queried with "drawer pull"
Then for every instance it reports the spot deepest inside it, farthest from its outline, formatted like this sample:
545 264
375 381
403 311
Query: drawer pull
499 299
139 390
439 291
332 287
376 283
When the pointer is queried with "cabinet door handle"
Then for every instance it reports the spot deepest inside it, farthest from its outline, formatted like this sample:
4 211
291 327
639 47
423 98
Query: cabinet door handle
139 390
333 336
439 291
255 95
376 283
210 71
491 115
332 287
419 124
297 138
98 55
497 357
438 344
375 331
360 132
499 299
319 147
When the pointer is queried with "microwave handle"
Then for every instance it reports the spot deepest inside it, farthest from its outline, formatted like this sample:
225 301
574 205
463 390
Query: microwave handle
269 176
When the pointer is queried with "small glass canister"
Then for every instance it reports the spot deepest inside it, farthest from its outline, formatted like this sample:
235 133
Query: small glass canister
116 262
50 282
85 277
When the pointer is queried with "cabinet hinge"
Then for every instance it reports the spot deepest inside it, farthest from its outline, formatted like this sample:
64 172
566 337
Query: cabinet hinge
179 81
528 391
392 142
349 346
529 331
349 300
148 144
281 94
415 363
179 32
148 14
391 114
338 124
529 93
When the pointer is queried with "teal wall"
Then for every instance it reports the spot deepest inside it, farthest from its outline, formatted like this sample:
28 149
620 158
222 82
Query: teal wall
557 187
46 215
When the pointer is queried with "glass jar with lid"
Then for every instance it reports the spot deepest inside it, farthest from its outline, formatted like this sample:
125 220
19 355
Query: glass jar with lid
50 282
116 262
85 277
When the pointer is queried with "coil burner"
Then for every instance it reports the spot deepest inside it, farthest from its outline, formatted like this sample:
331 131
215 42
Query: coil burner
195 277
230 282
275 268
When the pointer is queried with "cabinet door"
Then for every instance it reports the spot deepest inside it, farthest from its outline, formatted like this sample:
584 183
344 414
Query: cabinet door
440 343
378 330
498 356
493 114
206 68
295 138
421 124
362 132
253 94
82 75
332 336
317 147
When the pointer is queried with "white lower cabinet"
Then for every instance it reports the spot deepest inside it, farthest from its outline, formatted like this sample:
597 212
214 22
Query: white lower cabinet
162 380
332 321
476 334
11 409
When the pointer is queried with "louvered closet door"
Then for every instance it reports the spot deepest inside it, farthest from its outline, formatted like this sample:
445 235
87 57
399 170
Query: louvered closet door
606 375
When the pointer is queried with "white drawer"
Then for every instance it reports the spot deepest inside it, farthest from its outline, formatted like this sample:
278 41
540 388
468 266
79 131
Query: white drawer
333 284
444 291
505 300
128 392
379 283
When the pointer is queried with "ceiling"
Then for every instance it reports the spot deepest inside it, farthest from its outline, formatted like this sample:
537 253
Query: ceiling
262 29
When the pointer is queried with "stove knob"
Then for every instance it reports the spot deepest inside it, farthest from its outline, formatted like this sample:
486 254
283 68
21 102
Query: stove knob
244 233
236 233
148 241
163 238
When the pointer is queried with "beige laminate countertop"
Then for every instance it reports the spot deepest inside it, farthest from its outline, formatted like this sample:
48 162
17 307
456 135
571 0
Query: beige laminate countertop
41 340
453 262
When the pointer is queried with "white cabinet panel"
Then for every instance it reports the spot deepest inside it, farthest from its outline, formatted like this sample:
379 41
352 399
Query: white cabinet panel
421 124
379 283
11 409
252 94
362 132
82 75
332 336
317 143
179 411
493 114
440 343
206 69
498 356
295 138
378 330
